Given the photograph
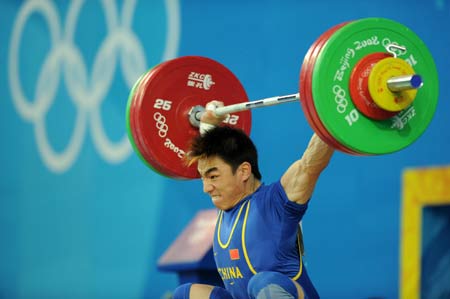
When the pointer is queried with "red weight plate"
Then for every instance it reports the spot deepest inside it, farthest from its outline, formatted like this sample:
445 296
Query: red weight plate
359 90
308 64
132 132
308 104
306 93
135 130
160 106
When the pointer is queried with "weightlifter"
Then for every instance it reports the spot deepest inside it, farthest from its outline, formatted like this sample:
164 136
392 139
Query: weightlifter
258 243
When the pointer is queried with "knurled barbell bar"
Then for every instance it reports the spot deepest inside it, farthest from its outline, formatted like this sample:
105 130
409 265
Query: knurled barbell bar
359 90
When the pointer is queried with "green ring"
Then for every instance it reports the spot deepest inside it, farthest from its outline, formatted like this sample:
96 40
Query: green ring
367 135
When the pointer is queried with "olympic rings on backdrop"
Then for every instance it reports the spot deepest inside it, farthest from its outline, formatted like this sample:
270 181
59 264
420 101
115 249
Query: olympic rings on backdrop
86 90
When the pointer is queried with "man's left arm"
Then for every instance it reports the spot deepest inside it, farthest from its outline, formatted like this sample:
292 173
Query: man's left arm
301 177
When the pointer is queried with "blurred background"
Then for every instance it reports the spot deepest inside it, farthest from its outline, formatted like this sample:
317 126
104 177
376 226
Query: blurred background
82 217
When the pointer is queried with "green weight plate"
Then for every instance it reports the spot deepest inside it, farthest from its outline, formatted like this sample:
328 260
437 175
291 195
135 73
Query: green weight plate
331 95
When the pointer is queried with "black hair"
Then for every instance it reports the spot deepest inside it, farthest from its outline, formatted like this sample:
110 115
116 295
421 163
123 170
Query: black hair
232 145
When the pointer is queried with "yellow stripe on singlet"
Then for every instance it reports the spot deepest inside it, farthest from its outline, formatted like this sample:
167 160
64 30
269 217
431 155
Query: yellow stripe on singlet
244 247
300 254
232 230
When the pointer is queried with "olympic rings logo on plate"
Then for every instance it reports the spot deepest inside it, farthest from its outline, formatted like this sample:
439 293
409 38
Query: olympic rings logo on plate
65 58
160 124
340 98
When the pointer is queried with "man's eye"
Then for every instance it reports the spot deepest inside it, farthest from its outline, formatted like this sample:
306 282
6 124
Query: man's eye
213 177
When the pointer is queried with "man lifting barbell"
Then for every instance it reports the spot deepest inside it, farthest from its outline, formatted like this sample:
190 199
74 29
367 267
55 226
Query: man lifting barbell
359 90
257 239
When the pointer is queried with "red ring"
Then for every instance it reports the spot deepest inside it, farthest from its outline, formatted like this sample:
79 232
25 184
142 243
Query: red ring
359 91
306 92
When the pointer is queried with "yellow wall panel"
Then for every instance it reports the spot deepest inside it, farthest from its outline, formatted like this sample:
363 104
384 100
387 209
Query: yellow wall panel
421 187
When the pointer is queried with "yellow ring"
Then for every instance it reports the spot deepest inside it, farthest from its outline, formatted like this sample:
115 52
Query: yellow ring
379 91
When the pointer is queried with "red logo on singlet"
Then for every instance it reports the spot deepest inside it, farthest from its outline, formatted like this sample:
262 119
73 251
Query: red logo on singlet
234 254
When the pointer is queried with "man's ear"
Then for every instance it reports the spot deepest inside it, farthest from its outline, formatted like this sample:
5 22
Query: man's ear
246 170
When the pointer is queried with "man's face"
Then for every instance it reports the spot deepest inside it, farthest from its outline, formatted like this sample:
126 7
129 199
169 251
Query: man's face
225 188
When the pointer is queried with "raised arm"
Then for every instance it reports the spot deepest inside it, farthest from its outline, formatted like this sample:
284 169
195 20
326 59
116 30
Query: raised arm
301 177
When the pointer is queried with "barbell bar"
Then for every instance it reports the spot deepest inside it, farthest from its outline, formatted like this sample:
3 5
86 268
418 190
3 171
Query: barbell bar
359 89
196 111
394 84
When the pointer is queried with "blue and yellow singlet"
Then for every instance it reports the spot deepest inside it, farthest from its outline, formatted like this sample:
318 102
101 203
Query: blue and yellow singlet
260 234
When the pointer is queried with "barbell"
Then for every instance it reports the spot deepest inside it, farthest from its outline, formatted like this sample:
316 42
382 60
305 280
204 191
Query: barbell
367 87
